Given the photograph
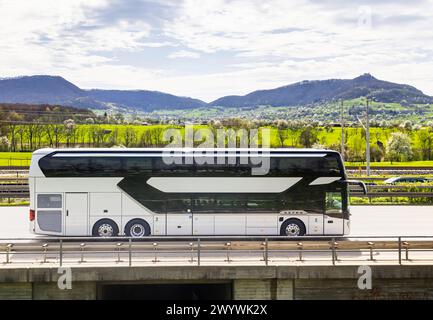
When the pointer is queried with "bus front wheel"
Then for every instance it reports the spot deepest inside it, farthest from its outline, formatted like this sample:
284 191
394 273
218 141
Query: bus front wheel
137 228
292 228
105 228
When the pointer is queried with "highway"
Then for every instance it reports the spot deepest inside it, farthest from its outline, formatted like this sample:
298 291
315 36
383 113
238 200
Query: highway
365 221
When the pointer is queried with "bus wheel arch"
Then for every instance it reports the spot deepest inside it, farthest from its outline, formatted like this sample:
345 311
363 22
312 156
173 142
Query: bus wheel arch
137 228
293 227
105 228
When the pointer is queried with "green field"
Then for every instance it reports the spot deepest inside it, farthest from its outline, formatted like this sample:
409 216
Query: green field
427 163
31 137
17 159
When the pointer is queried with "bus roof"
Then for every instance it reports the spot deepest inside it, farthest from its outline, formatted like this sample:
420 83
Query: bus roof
46 151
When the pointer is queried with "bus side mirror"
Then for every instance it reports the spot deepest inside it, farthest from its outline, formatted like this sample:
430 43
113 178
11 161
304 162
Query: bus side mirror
356 183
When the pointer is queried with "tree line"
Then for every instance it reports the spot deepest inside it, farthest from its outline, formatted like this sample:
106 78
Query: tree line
389 141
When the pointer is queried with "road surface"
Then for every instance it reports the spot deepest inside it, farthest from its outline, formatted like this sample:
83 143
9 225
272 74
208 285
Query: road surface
365 221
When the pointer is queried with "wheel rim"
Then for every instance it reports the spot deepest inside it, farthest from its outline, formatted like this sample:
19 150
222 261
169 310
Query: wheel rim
293 230
105 230
137 230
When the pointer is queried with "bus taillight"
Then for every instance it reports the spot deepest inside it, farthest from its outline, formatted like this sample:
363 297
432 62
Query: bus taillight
32 215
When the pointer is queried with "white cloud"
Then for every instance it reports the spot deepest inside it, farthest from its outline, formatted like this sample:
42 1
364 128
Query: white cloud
264 44
184 54
46 36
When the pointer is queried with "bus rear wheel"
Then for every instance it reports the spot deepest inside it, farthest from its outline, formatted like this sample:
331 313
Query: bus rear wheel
292 228
137 228
105 228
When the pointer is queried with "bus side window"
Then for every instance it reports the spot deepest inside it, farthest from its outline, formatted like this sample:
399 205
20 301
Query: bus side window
49 201
334 202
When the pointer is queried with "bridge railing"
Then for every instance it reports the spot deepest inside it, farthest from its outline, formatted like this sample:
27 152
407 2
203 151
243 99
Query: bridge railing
217 250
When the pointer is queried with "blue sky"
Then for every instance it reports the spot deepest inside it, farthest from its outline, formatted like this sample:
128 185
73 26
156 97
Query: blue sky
210 48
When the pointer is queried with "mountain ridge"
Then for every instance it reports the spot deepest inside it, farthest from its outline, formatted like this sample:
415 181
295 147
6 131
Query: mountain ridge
315 91
45 89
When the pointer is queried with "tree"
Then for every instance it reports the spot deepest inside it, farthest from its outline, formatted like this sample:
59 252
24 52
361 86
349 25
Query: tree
406 126
69 131
4 143
399 147
282 126
425 138
356 148
130 136
308 136
13 129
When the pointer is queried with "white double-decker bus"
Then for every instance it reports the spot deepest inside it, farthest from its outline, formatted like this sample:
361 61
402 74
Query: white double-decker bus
144 192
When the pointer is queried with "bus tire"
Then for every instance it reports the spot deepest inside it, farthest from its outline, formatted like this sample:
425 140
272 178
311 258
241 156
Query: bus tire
105 228
137 228
293 228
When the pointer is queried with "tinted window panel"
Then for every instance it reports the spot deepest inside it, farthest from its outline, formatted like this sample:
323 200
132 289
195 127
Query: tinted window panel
255 204
178 205
106 166
309 165
50 220
49 201
157 206
131 166
137 165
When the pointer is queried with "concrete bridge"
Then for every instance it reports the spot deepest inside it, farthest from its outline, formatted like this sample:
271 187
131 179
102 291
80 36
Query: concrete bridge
219 282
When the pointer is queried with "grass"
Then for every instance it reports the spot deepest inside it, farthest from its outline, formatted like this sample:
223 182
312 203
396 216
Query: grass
18 159
14 203
427 163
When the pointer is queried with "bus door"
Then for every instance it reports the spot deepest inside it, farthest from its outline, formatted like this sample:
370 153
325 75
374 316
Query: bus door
76 214
333 217
49 218
204 209
179 216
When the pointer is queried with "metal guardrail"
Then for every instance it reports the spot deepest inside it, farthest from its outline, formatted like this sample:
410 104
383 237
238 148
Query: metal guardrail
194 250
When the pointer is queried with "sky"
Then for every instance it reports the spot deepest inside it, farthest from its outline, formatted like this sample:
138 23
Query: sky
211 48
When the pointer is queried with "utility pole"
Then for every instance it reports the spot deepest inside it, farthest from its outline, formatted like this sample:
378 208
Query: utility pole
342 129
367 138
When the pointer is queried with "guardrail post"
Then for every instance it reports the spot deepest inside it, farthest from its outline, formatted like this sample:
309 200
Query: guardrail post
228 246
334 252
198 252
406 246
8 250
155 250
300 247
82 245
191 246
61 252
44 254
399 250
371 245
130 252
118 247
